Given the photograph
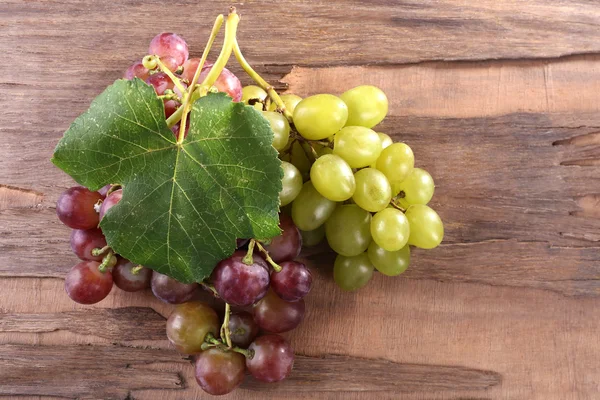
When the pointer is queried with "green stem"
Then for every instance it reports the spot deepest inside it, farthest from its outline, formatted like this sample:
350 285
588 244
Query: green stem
168 72
108 261
98 251
275 266
211 288
248 260
249 354
225 333
136 270
397 206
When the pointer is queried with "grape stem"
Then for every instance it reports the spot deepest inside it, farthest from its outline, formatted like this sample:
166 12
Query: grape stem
168 72
106 261
397 206
273 264
210 287
225 333
136 270
211 341
98 251
248 260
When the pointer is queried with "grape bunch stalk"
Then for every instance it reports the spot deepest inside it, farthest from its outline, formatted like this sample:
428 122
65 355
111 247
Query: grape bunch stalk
340 180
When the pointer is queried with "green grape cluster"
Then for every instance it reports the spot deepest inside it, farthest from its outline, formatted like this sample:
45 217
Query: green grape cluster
349 184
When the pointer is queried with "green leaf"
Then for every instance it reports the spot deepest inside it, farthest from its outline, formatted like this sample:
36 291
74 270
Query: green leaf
183 204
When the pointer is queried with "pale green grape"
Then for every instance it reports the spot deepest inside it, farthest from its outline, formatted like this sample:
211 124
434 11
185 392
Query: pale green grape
314 237
358 145
333 178
386 141
289 100
348 230
390 263
396 162
254 92
426 227
390 229
351 273
373 191
300 160
417 188
280 127
310 210
320 116
291 183
367 106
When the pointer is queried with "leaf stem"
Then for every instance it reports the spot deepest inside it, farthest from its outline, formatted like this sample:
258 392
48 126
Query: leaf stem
275 266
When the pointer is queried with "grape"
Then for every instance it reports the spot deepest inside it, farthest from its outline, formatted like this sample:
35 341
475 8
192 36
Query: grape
170 290
189 69
126 280
348 230
417 188
110 201
243 328
373 191
426 227
310 209
358 145
390 229
273 358
177 126
293 282
299 159
351 273
252 92
290 101
390 263
276 315
333 178
83 241
240 284
286 246
367 106
138 70
219 372
170 108
169 45
170 63
227 82
386 141
280 127
161 82
314 237
75 208
86 284
291 183
189 323
396 162
321 150
320 116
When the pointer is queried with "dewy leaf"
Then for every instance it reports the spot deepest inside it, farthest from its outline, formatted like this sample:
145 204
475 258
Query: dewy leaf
183 204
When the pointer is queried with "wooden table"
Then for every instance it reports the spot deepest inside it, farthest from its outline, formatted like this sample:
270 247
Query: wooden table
499 99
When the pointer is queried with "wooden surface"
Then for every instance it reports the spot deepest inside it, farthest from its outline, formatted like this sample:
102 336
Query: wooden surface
499 99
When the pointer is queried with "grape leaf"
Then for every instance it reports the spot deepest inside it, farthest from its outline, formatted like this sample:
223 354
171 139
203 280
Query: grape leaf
184 204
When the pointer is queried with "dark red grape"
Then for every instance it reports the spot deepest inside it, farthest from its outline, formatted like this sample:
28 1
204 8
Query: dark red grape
293 282
243 328
170 290
85 284
75 208
104 190
240 284
137 70
126 280
273 358
83 241
219 372
161 82
276 315
169 44
110 201
286 246
189 323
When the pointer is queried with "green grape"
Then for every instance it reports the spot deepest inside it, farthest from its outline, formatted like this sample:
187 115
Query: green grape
289 100
351 273
291 183
310 210
373 191
396 162
386 141
418 188
280 127
390 229
348 230
322 150
333 178
254 92
358 145
299 159
367 106
426 227
320 116
390 263
314 237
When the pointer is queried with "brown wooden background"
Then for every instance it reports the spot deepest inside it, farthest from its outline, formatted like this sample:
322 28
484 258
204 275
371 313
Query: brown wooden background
500 99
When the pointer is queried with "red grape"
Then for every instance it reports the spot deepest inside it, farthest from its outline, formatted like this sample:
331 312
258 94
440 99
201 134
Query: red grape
83 241
273 358
175 129
219 372
276 315
161 82
286 246
240 284
170 63
85 284
226 82
110 201
170 107
126 280
75 208
293 282
138 70
243 328
169 44
170 290
189 323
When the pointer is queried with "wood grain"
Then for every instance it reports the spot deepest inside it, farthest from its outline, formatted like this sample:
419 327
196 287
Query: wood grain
508 307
